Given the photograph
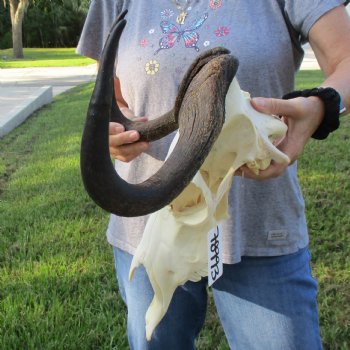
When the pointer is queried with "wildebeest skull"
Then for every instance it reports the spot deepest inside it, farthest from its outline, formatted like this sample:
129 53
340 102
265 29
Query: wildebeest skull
189 194
173 248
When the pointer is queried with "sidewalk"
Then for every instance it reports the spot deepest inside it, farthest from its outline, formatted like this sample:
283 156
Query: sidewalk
24 90
309 61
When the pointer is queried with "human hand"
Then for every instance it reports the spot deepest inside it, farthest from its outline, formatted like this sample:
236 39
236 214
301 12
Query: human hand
302 116
123 144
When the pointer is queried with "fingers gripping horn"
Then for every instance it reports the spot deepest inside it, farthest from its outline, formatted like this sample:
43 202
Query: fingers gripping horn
199 113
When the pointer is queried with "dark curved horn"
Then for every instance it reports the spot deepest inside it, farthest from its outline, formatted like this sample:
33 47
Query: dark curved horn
164 125
199 111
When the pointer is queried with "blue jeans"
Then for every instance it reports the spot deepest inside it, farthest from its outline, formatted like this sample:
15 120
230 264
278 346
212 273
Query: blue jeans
264 303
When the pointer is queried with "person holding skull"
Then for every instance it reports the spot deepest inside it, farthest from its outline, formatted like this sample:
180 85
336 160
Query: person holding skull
266 297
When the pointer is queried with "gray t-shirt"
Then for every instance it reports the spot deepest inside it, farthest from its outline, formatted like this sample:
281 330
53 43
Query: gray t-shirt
266 218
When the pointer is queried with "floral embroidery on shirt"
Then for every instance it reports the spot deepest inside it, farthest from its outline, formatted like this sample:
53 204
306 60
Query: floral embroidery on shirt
152 67
206 43
151 31
222 31
166 14
215 4
144 42
174 33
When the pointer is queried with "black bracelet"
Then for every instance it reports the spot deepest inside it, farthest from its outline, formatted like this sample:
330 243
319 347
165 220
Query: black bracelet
331 101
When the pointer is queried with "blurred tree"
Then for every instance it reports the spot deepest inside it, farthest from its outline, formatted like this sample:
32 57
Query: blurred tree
54 23
17 11
5 26
46 23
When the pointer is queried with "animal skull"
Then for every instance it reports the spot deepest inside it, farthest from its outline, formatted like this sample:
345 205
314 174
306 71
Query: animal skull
218 132
173 248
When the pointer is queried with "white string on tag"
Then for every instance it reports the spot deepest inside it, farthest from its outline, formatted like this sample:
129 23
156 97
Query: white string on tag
215 264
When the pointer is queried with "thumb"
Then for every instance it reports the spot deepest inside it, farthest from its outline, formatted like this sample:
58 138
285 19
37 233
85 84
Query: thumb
273 106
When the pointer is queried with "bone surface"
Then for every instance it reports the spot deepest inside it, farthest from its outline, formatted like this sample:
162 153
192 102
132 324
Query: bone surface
173 248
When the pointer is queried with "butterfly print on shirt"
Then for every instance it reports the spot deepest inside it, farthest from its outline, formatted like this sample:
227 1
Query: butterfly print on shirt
174 33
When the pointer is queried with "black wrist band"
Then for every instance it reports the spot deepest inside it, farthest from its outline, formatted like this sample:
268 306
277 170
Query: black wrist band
331 101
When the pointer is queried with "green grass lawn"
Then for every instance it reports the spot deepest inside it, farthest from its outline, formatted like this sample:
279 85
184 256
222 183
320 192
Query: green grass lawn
57 282
57 57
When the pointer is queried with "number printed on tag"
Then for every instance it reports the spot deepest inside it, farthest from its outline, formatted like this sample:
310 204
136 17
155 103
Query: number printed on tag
215 265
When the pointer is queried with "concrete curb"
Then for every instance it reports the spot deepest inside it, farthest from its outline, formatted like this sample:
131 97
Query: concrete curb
38 97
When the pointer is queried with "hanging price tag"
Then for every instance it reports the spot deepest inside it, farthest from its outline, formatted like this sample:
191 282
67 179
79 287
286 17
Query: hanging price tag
215 265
